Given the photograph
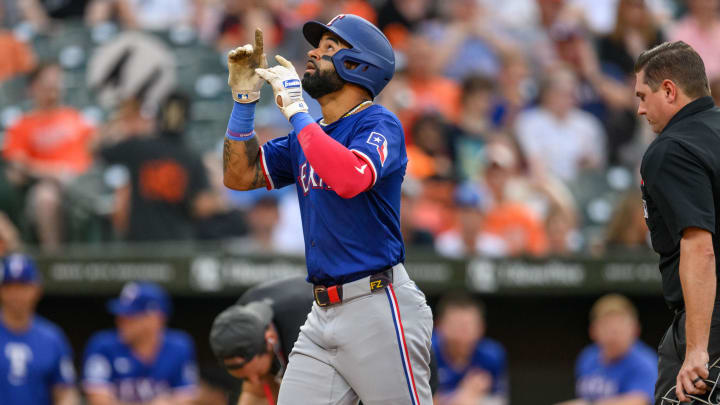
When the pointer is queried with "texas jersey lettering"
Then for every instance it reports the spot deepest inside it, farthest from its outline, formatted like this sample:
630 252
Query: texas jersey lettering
110 363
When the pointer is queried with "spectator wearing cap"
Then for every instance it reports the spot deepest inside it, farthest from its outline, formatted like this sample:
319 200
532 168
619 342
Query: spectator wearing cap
141 361
36 364
168 188
464 239
511 223
617 367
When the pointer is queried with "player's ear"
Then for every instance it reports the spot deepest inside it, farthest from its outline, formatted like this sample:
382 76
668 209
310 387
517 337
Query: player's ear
270 335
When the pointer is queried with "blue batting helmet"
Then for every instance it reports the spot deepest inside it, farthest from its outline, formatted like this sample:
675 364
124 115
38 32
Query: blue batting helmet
370 49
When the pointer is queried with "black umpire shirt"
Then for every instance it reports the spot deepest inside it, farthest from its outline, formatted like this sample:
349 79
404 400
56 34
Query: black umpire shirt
681 187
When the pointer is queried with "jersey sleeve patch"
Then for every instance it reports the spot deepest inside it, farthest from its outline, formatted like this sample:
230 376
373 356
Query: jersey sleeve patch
381 145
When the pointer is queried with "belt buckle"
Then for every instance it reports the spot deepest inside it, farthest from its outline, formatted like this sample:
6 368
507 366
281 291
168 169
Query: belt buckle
381 280
317 290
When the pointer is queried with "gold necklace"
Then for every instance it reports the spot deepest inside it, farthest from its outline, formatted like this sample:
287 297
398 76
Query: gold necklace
349 113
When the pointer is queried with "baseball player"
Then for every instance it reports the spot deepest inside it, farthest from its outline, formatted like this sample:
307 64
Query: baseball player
368 334
35 358
142 362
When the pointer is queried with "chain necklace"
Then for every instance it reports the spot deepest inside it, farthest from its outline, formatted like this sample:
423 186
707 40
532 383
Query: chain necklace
351 112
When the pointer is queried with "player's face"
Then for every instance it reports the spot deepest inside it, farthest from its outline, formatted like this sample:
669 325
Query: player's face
19 297
614 333
134 328
461 328
652 104
254 370
320 77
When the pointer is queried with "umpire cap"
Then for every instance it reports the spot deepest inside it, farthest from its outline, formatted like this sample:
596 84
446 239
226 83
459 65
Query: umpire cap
240 330
369 49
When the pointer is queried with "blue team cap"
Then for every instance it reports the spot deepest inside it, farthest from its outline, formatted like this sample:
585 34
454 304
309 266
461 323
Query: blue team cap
469 196
19 268
138 297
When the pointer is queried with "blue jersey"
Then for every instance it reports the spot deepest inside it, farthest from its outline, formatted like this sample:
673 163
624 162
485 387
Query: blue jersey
33 362
634 372
110 363
347 239
489 356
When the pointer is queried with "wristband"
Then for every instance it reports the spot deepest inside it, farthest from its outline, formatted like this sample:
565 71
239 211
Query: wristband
239 137
241 120
300 120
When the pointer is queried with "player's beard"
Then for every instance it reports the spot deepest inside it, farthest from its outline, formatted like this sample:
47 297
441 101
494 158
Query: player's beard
322 82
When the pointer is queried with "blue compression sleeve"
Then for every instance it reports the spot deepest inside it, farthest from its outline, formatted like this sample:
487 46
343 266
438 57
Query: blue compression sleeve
241 124
300 121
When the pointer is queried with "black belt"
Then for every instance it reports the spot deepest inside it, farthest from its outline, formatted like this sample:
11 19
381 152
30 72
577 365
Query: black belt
332 295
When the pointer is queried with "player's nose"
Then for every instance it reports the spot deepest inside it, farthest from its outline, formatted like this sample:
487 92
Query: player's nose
313 54
641 110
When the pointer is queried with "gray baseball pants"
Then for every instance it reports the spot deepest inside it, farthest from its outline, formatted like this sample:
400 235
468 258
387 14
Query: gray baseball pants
374 347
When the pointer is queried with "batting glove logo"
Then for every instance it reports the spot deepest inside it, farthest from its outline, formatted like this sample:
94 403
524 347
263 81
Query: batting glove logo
292 83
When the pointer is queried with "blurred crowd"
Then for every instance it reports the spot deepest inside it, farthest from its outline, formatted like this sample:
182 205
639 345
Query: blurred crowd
519 119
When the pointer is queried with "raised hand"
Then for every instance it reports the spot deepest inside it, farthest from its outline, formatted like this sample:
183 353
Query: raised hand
286 86
242 62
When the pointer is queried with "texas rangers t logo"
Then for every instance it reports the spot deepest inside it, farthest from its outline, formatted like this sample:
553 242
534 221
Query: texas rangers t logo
337 17
378 140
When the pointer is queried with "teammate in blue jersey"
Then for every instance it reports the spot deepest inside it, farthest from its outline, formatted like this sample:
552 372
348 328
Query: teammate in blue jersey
472 368
368 334
141 362
35 358
617 368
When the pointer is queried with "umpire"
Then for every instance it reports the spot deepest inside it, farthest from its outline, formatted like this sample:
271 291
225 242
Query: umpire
681 196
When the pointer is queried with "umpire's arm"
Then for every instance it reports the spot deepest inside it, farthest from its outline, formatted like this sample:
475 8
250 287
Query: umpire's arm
697 276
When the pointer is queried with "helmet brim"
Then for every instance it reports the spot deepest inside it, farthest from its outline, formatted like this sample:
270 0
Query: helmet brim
313 31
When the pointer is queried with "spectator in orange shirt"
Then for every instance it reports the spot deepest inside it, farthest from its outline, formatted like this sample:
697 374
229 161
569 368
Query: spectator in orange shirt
47 148
432 153
429 91
17 56
514 223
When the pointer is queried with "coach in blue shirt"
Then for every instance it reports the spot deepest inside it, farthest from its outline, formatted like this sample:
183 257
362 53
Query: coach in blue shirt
35 358
617 368
141 362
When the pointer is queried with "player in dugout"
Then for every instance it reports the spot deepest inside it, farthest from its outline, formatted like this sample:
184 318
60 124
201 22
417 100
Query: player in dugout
36 365
617 368
141 362
368 334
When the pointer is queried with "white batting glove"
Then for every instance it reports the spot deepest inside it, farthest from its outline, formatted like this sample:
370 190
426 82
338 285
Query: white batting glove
286 86
242 62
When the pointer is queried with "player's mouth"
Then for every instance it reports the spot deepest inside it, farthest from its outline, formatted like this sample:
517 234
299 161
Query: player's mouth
310 66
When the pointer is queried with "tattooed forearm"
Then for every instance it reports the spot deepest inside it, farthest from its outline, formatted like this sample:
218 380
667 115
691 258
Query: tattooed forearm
241 166
226 154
